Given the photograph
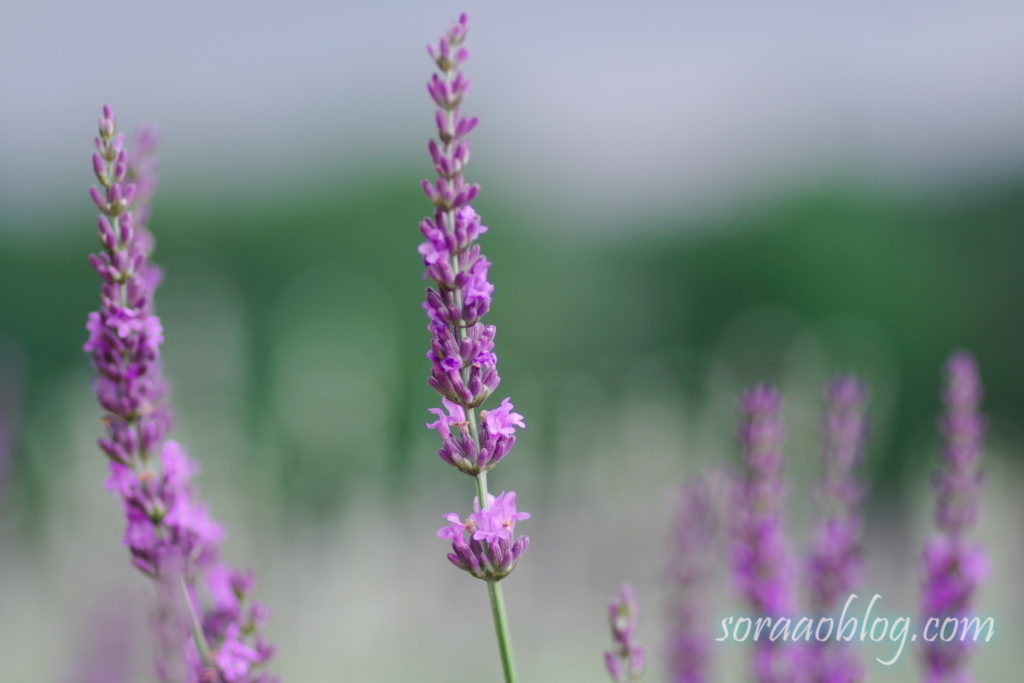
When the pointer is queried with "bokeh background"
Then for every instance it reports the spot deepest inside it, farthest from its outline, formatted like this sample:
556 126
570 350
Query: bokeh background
684 199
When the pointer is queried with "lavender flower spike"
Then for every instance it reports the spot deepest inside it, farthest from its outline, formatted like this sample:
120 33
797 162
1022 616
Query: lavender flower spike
464 365
169 533
835 561
692 561
627 659
760 558
954 566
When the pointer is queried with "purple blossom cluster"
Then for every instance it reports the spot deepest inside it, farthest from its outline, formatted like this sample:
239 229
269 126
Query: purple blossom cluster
464 365
485 544
761 561
169 532
835 561
627 659
496 436
954 566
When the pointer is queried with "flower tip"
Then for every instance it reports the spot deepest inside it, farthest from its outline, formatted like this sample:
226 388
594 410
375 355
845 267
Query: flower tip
847 388
962 363
762 398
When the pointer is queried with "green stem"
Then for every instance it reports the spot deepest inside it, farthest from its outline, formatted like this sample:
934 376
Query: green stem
481 489
197 628
501 629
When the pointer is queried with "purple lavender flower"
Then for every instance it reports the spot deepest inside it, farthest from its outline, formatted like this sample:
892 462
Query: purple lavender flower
485 544
105 651
954 566
494 440
142 170
169 532
835 561
172 629
760 558
627 659
692 542
464 365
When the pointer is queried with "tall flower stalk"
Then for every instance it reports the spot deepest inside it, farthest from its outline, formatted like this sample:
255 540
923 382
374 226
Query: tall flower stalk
210 628
954 566
761 560
835 561
464 373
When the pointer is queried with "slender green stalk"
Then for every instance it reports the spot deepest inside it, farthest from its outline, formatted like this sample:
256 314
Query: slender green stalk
501 629
481 489
197 628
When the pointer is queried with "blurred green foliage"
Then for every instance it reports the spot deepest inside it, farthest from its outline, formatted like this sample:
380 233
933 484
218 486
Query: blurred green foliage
933 275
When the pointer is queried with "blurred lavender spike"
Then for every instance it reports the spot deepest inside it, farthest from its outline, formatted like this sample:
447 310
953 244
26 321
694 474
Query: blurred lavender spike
107 644
954 566
169 533
627 659
464 365
835 561
692 544
761 560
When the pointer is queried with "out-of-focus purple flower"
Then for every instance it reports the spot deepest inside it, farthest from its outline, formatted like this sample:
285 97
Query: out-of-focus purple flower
692 546
235 657
485 544
627 659
955 566
835 561
169 532
108 643
958 484
176 657
761 561
142 170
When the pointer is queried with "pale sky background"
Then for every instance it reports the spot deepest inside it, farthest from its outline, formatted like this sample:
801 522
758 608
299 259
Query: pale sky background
591 107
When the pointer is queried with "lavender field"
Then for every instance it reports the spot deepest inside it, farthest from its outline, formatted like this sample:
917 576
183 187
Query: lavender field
718 323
